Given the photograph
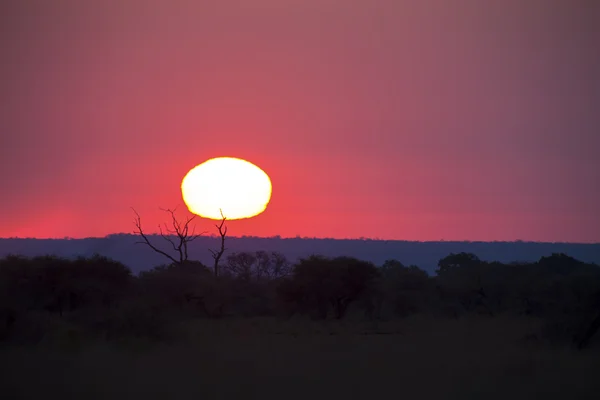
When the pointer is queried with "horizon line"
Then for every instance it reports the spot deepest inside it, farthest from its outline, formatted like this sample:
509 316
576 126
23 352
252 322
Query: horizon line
279 237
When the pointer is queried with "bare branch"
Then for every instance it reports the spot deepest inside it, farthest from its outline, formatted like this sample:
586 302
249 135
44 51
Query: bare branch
179 229
168 239
138 224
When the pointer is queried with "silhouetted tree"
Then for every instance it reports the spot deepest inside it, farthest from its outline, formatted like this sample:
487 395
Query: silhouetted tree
217 254
100 295
318 283
405 289
49 284
180 230
258 266
178 285
560 264
464 279
459 260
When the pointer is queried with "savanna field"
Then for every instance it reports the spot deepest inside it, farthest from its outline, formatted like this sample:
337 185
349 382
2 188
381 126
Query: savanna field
418 357
320 328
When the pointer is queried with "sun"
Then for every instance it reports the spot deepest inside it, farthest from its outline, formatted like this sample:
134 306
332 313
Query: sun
234 186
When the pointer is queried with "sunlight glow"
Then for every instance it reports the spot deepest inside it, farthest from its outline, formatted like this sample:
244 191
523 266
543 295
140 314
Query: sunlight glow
237 187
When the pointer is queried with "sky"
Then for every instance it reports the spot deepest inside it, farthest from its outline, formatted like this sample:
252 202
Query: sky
392 119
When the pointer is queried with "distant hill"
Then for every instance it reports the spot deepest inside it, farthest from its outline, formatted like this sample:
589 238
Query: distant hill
140 257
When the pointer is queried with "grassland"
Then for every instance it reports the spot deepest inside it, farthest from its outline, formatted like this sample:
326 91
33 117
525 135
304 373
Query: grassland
415 358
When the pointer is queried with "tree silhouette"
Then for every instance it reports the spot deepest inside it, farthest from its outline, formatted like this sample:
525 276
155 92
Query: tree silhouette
258 266
180 230
403 288
453 261
560 264
175 285
319 282
217 254
101 296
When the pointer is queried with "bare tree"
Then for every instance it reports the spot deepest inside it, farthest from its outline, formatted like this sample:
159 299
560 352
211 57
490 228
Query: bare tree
217 254
178 236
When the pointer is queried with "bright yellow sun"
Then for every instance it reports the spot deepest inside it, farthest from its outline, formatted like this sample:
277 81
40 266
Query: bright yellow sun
237 187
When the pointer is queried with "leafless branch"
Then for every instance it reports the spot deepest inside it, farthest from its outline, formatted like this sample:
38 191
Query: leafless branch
138 224
180 229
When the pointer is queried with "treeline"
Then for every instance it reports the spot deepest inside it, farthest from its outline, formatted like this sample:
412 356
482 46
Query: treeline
101 297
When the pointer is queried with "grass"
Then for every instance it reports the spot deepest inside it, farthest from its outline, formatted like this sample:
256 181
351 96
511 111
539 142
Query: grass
419 357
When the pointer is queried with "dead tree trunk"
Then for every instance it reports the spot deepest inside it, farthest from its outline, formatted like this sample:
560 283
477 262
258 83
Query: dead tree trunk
217 254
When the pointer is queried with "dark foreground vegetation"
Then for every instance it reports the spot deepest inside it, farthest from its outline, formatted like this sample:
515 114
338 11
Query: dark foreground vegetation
262 327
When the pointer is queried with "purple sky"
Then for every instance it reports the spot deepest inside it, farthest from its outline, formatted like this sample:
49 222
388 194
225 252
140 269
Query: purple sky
424 119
